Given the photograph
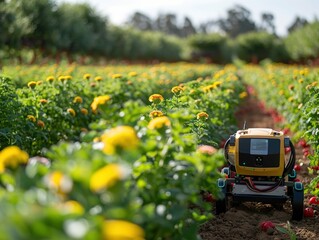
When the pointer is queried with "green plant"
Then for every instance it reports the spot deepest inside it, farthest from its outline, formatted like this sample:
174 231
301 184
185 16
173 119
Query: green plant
287 229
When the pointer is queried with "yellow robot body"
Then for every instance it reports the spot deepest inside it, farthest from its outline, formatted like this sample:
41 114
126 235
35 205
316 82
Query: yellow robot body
258 152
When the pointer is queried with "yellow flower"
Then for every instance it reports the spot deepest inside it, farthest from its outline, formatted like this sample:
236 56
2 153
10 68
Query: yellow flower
56 179
212 86
156 98
106 177
120 230
159 122
243 95
31 118
50 79
73 207
40 124
62 78
304 72
77 99
98 78
43 101
84 111
202 115
132 74
12 156
177 90
71 112
209 88
2 168
117 75
119 138
291 87
101 100
311 85
156 113
68 77
87 76
39 82
300 80
59 182
32 84
217 84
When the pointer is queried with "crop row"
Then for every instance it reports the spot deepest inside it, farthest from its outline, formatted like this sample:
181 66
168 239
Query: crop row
293 91
52 104
114 155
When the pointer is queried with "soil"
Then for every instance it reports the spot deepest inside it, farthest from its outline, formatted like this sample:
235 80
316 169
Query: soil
243 221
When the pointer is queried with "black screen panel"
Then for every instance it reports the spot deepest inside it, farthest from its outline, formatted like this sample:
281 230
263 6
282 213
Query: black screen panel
259 152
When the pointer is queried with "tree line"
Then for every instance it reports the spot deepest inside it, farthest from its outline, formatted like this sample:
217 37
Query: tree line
34 30
238 21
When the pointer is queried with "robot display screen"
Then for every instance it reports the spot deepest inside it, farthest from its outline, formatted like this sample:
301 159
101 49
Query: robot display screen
259 146
259 152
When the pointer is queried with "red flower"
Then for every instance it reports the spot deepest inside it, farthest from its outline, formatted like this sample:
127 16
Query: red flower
308 212
266 225
314 200
297 167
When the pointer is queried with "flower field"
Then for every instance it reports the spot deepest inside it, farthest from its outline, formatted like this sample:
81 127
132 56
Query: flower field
90 151
130 152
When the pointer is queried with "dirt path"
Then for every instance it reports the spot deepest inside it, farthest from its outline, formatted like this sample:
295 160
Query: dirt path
242 222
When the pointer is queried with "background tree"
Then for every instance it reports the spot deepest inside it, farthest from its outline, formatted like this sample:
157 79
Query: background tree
187 28
4 23
43 19
167 23
140 21
255 46
15 25
211 26
303 43
238 21
81 30
208 46
267 23
298 23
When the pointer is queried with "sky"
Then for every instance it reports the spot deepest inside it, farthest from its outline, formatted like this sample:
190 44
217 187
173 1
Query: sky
200 11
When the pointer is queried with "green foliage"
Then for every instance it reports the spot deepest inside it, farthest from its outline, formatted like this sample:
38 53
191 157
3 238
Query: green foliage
50 29
13 127
255 46
47 31
302 43
82 29
161 179
132 44
287 230
210 46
